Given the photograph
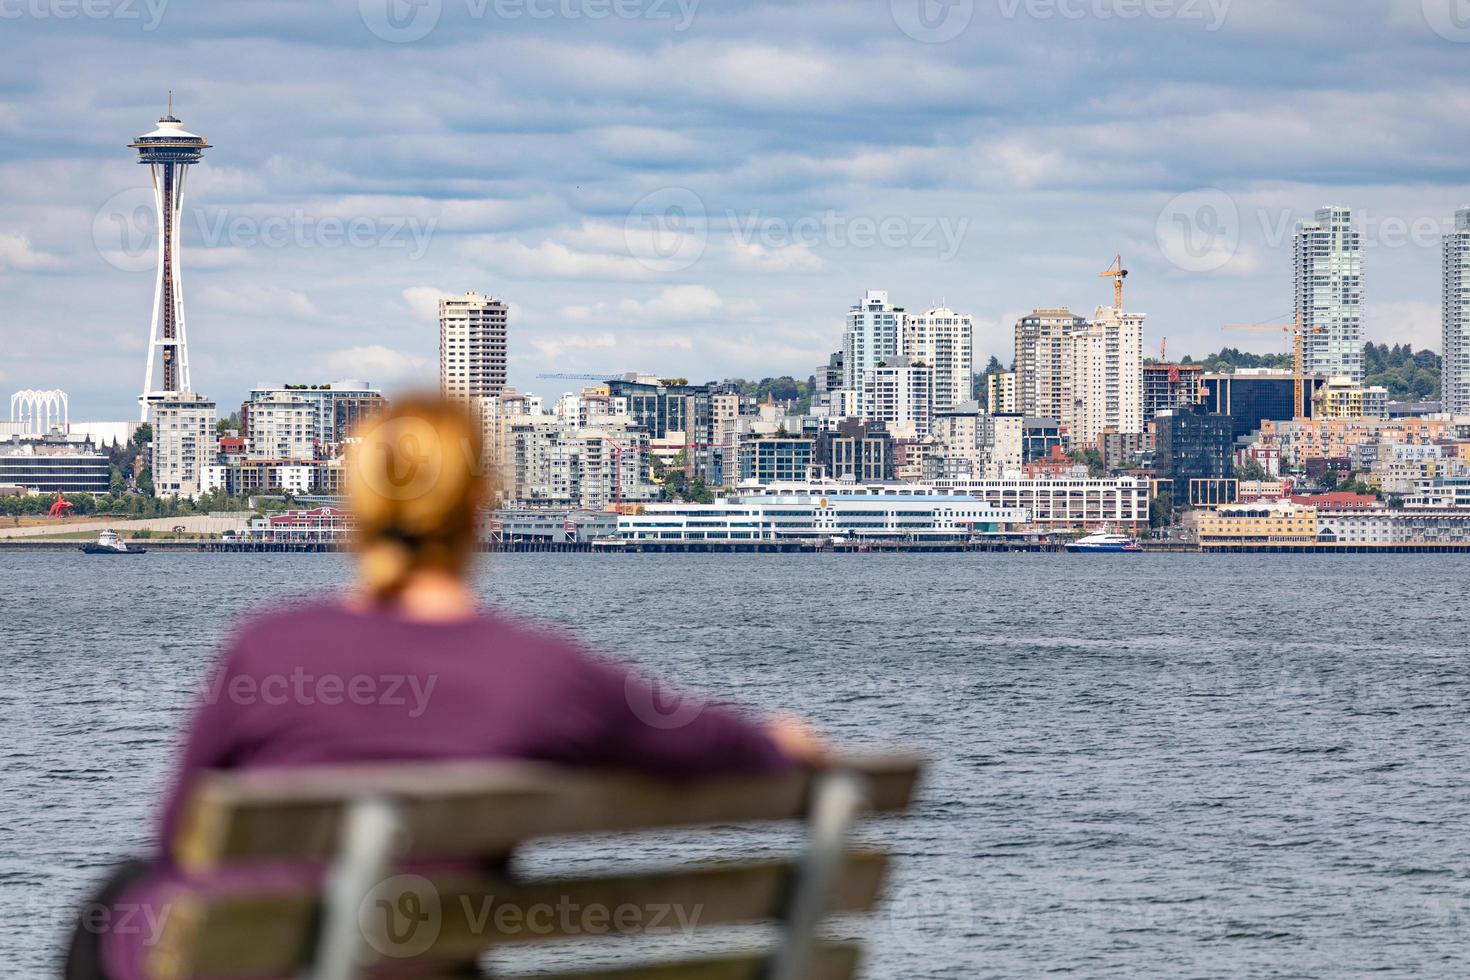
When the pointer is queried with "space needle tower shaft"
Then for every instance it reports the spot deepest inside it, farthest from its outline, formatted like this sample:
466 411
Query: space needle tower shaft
169 151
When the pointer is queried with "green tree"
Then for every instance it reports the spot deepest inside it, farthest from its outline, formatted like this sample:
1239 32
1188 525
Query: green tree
1090 458
785 389
145 482
1251 470
981 379
1161 510
1406 373
116 485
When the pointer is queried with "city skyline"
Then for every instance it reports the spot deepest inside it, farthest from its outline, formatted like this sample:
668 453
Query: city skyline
1002 201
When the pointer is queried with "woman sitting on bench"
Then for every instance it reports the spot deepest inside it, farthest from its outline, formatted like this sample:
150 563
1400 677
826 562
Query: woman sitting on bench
410 666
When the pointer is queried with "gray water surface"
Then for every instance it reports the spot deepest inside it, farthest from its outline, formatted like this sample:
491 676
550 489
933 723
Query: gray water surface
1158 765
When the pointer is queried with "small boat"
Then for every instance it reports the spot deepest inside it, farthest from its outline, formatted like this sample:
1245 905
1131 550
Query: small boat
1104 541
109 543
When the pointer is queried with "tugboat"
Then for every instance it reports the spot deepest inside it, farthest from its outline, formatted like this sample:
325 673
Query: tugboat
1099 542
108 543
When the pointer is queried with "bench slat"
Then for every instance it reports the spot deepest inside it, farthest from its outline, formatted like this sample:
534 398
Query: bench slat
253 935
454 809
829 962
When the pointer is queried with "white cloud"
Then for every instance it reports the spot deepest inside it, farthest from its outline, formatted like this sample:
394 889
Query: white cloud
17 252
257 299
674 303
554 349
553 260
633 351
377 364
423 302
787 258
1405 322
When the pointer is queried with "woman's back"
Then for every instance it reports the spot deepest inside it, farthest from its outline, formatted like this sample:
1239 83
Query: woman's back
330 682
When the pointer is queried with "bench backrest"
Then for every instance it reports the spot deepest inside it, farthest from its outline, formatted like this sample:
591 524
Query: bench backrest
399 869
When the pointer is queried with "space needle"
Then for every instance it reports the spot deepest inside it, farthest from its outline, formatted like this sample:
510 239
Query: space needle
169 150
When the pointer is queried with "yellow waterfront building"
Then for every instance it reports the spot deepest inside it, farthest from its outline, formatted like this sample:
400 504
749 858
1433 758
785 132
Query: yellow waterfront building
1263 522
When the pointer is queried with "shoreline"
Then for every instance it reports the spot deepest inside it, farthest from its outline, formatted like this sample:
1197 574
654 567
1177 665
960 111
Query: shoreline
765 547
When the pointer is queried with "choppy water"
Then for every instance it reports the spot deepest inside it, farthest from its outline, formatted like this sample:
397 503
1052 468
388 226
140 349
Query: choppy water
1156 765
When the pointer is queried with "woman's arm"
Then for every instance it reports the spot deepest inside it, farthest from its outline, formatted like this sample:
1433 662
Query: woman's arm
641 724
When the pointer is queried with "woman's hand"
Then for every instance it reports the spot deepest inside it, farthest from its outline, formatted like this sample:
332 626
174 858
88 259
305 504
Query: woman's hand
797 740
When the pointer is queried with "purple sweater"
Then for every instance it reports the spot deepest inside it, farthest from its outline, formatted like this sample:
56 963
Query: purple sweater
325 684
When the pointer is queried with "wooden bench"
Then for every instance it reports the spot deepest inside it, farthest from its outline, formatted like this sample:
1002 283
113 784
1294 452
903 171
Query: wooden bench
412 876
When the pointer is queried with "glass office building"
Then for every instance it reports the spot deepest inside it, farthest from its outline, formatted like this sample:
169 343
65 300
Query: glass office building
1249 398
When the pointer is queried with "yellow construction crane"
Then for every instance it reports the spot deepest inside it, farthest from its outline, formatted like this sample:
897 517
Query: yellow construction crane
1117 273
1297 357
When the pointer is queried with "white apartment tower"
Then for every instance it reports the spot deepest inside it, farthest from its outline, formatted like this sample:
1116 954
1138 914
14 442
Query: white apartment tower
1107 375
184 442
472 346
1044 363
900 394
944 340
1328 264
1455 370
873 335
282 425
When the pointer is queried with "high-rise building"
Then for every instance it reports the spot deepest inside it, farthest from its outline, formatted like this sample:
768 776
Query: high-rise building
282 425
1044 363
1192 445
184 441
1000 393
900 394
1168 386
472 346
944 340
873 335
169 151
1107 375
337 408
1455 369
1328 265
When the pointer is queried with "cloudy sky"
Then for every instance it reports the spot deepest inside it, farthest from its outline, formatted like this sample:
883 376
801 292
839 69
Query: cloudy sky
702 187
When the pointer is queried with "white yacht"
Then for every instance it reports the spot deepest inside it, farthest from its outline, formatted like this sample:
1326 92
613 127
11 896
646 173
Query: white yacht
1105 541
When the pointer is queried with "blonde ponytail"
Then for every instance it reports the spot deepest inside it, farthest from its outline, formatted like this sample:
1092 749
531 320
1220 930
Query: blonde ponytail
416 477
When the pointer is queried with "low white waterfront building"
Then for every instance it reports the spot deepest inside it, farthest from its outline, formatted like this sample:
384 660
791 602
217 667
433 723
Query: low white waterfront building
773 514
1051 503
1395 526
1058 503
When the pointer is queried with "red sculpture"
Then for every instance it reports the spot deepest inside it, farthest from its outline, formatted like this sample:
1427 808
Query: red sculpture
60 507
